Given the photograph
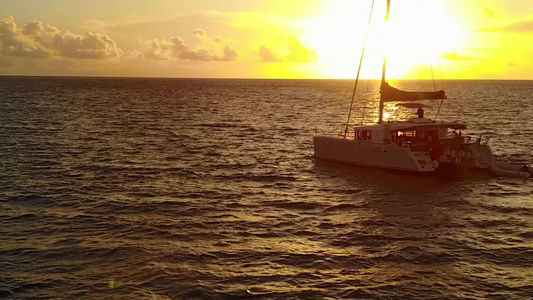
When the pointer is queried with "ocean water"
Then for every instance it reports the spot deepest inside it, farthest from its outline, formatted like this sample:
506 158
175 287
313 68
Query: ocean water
208 189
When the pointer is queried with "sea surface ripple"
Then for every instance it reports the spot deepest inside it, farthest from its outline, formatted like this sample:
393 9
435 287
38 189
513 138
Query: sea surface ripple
208 189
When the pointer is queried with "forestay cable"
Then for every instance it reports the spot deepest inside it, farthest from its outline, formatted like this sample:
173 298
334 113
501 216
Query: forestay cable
359 70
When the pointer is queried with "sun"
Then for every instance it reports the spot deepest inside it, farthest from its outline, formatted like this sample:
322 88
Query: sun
417 31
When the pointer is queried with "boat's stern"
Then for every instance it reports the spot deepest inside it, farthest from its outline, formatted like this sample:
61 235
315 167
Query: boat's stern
425 161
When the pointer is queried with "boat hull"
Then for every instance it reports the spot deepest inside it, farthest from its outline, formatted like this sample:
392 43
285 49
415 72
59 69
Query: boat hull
366 153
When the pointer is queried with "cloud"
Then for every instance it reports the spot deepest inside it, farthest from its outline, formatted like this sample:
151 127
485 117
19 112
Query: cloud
199 33
229 54
36 40
32 28
15 43
244 25
298 53
511 64
267 55
206 19
93 46
175 48
523 27
491 14
455 56
261 20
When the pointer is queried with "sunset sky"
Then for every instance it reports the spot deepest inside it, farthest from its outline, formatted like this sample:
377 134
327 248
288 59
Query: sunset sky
468 39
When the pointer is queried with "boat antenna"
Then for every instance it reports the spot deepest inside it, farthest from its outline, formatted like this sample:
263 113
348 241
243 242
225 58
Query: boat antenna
358 70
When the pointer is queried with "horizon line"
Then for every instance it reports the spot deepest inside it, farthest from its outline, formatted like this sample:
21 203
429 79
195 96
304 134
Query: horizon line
250 78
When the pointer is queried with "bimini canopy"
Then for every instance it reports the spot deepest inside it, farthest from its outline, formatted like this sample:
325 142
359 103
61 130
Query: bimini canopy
412 105
426 126
389 93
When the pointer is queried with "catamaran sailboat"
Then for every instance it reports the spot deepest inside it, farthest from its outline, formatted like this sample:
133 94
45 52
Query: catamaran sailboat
417 144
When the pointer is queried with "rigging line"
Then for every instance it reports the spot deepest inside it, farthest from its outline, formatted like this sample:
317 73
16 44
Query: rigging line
441 79
419 76
364 103
432 77
438 109
442 87
359 69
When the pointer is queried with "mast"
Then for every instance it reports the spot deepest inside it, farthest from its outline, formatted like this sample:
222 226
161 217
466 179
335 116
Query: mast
383 81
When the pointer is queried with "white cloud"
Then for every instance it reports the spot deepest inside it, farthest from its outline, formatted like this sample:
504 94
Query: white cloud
523 27
38 41
267 55
199 33
299 53
490 13
15 43
94 46
229 54
455 56
175 48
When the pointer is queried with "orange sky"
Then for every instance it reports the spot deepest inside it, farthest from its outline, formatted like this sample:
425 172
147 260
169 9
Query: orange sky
470 39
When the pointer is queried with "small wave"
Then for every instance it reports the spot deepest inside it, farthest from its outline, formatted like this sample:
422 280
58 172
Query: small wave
267 235
306 233
507 256
509 209
341 207
418 256
359 293
502 193
233 166
257 178
220 125
36 200
378 223
495 223
332 225
271 178
527 235
366 240
294 205
25 217
23 289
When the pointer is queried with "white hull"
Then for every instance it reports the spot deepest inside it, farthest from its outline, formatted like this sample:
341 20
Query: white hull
366 153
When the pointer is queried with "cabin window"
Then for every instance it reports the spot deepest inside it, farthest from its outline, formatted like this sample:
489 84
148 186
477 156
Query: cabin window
421 135
402 137
363 134
409 133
